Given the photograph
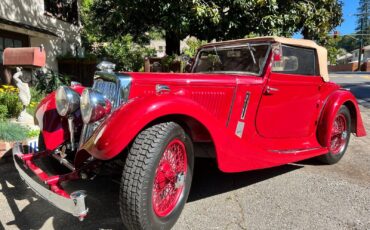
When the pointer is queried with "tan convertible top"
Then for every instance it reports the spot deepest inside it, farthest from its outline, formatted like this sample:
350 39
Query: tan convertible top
321 51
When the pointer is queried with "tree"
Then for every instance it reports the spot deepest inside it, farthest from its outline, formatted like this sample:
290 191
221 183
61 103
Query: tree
117 18
216 19
347 42
363 20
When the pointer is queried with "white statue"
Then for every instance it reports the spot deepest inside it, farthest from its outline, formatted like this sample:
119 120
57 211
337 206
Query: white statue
24 96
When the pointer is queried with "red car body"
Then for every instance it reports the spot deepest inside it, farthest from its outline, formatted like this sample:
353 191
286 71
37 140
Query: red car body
285 126
249 120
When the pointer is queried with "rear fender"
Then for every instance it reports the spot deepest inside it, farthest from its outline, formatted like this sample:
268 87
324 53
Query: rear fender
330 110
54 128
122 126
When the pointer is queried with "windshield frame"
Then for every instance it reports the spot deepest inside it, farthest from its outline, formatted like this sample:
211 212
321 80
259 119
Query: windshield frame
222 47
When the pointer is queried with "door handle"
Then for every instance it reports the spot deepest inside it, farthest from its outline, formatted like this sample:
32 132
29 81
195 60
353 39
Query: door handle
270 90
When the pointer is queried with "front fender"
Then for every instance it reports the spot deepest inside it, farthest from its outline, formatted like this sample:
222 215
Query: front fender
333 103
54 128
122 126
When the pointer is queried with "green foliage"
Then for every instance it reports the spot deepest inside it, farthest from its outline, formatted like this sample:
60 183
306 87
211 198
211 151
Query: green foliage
193 46
168 60
156 34
12 132
215 19
3 112
33 133
127 55
88 32
36 97
9 98
333 50
319 18
363 21
50 81
349 43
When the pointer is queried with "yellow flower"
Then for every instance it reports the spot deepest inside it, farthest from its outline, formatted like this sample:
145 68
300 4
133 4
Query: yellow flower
6 86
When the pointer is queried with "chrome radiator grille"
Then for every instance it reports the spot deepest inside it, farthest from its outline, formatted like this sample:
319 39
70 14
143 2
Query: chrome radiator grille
110 90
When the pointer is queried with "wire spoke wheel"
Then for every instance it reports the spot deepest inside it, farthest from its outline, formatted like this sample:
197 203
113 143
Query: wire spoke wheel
339 137
169 178
339 134
157 177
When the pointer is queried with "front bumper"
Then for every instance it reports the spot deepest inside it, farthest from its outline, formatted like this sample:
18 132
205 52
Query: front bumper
51 191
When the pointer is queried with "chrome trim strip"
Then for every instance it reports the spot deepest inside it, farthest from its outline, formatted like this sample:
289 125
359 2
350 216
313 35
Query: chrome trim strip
231 106
124 83
76 206
245 105
294 151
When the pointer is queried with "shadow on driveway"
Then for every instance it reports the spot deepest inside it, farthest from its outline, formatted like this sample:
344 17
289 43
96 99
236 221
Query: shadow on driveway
32 212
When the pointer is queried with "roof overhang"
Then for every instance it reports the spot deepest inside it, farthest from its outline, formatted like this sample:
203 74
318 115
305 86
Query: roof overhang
25 29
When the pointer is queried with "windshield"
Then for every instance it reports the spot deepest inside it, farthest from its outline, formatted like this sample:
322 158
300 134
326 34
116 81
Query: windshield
246 58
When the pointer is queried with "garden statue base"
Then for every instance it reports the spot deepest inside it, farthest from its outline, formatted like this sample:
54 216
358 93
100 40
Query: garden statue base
25 118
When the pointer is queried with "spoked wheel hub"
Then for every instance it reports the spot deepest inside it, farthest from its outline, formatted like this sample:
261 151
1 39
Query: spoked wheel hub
169 178
339 134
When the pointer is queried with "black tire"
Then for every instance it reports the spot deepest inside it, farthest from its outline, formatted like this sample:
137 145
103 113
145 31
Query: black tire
331 157
138 177
48 163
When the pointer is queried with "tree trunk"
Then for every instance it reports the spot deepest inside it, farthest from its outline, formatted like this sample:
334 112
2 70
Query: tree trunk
172 43
7 76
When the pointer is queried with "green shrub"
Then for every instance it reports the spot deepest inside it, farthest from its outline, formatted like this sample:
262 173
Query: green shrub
167 62
12 132
193 46
3 112
36 97
50 81
127 55
33 133
9 98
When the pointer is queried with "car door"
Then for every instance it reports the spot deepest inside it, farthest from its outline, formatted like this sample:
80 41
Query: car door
289 105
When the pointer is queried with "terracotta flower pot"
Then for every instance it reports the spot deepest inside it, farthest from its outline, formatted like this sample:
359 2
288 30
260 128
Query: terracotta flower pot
6 146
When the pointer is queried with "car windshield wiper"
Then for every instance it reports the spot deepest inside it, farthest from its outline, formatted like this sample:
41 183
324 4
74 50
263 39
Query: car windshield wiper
252 54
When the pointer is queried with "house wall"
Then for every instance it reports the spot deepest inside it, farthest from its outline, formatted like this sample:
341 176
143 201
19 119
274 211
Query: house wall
160 46
365 55
31 12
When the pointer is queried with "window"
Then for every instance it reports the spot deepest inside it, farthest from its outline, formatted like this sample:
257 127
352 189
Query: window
246 58
17 43
296 60
8 42
66 10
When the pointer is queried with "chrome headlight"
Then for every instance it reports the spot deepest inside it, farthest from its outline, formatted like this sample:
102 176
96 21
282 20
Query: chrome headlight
67 100
94 106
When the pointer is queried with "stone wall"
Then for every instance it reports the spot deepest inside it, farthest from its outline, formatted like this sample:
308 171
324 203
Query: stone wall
350 67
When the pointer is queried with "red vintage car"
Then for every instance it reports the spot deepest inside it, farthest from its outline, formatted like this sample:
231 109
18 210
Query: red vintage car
250 104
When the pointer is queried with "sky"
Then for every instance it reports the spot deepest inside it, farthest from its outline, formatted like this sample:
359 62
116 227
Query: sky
349 24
